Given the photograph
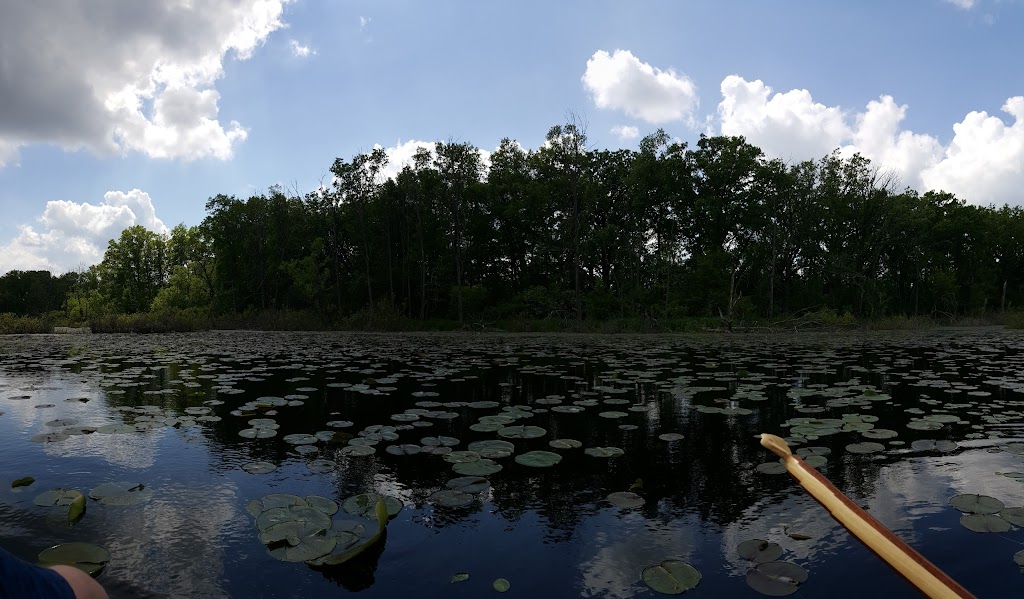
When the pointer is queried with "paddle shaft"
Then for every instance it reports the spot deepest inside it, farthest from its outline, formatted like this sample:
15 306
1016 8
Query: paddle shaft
923 574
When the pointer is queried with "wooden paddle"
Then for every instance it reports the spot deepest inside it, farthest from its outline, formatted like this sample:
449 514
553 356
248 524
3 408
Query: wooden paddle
912 565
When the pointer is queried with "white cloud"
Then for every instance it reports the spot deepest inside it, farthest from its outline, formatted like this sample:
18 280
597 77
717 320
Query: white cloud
984 163
790 125
626 132
964 4
300 51
70 234
620 81
364 22
125 80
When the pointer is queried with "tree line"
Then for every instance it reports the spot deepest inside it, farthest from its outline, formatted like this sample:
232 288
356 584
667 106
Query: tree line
564 231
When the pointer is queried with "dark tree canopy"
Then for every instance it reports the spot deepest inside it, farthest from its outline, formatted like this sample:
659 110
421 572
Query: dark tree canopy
567 232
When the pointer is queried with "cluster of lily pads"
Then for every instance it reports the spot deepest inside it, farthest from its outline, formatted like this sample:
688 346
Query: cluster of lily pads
301 529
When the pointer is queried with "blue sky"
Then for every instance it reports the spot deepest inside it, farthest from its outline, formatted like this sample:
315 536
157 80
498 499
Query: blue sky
116 113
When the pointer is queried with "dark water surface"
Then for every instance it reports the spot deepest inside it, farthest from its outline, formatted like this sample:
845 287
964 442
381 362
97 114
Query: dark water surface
549 531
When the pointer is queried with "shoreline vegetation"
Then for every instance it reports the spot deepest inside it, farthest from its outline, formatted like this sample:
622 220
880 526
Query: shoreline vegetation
565 238
383 320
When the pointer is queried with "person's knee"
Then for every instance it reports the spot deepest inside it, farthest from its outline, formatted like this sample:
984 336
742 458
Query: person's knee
81 583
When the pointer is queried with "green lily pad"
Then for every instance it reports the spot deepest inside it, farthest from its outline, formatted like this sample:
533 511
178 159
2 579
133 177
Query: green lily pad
984 523
481 467
120 493
565 443
364 505
492 448
22 482
671 437
259 467
87 557
771 468
879 433
1013 515
305 549
759 550
406 449
254 433
671 577
322 504
501 585
865 447
522 432
323 466
302 514
625 499
61 497
604 452
976 504
451 498
613 414
776 579
538 459
460 577
439 441
459 457
300 439
469 484
1018 558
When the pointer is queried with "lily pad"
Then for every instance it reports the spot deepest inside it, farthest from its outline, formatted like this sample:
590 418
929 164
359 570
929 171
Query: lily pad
439 441
322 504
865 447
407 449
976 504
565 443
252 433
469 484
120 493
460 577
538 459
771 468
492 448
522 432
984 523
364 505
776 579
501 585
87 557
451 498
671 437
259 467
759 550
300 439
671 577
625 499
61 497
1013 515
481 467
604 452
22 482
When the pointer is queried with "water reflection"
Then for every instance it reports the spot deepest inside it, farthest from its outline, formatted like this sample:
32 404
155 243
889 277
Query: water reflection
549 531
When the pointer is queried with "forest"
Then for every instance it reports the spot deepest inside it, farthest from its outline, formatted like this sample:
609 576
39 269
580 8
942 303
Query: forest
565 233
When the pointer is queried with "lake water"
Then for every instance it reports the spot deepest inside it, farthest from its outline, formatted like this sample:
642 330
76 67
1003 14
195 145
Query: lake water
549 531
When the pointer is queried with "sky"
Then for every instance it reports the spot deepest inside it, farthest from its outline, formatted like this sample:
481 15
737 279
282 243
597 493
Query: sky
122 112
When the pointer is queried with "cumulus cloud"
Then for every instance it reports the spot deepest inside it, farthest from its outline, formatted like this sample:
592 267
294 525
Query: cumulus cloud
964 4
300 51
111 77
69 234
790 125
626 132
984 163
620 81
